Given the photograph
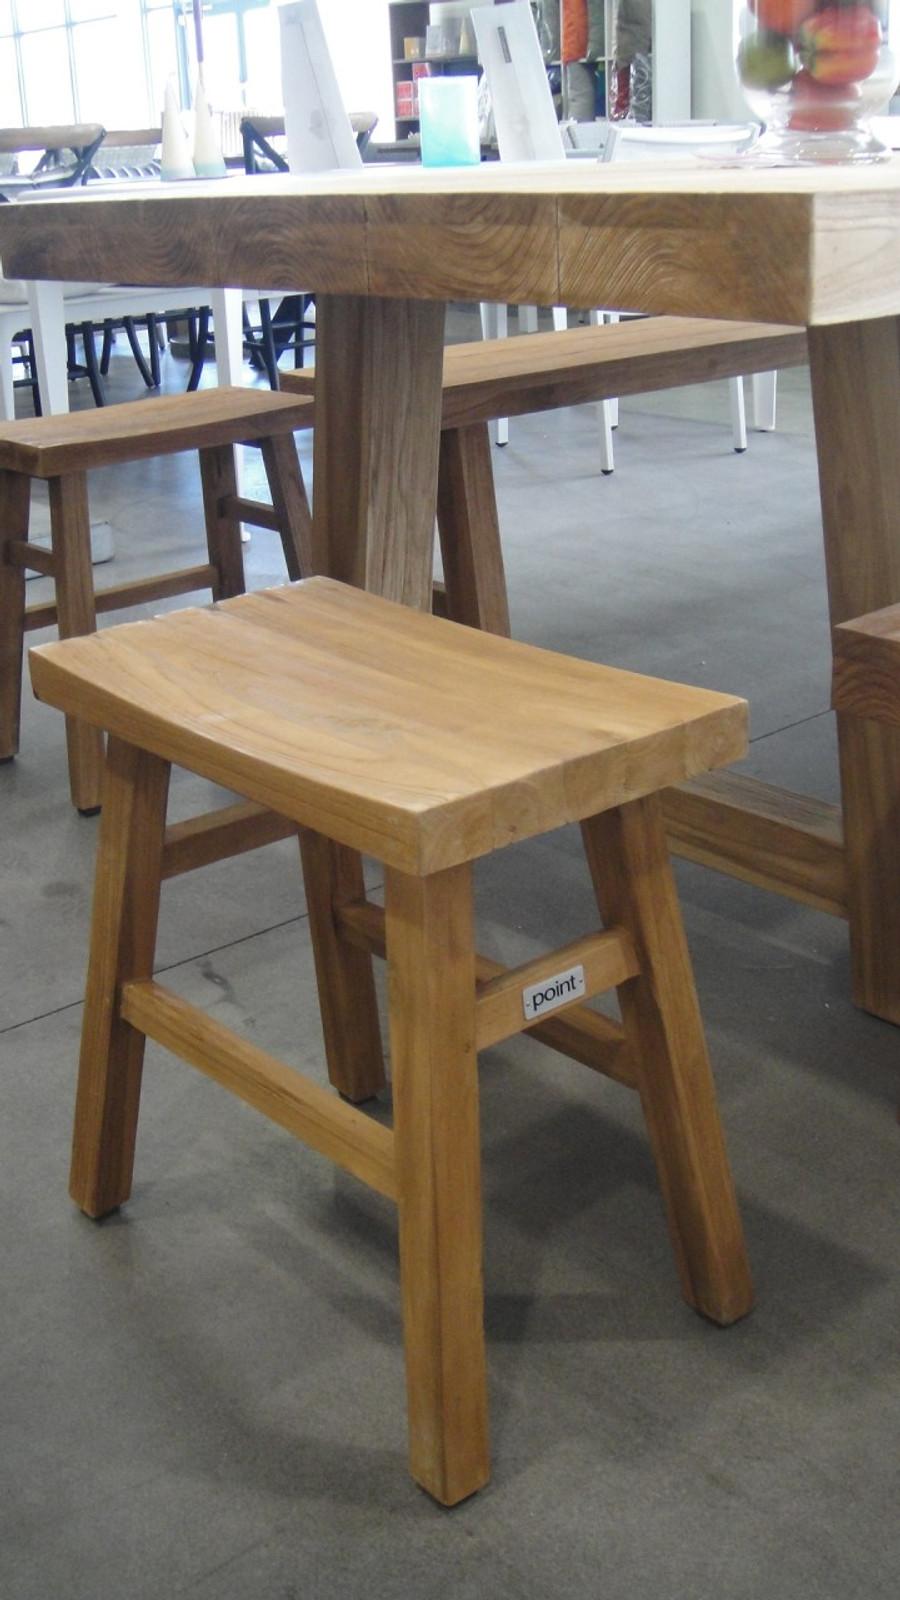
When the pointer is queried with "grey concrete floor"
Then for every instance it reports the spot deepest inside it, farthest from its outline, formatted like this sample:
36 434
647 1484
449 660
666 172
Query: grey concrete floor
203 1396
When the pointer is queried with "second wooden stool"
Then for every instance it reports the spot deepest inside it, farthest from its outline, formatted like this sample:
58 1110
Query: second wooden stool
61 450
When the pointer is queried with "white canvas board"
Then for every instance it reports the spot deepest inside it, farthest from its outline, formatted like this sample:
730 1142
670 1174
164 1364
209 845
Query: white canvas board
317 128
524 113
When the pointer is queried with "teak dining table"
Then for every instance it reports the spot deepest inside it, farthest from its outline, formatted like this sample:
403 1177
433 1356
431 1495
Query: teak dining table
384 248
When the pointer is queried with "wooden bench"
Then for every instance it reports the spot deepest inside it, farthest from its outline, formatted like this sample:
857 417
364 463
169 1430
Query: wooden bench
492 378
366 726
61 450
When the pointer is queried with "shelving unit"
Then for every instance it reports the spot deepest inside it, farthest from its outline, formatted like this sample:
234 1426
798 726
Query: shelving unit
408 19
670 56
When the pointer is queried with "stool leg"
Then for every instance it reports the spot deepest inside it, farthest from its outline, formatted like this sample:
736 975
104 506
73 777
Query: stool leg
223 529
290 503
123 940
15 497
469 530
333 877
629 862
431 977
70 533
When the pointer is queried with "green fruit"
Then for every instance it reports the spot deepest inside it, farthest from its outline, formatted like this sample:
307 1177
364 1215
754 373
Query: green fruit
766 60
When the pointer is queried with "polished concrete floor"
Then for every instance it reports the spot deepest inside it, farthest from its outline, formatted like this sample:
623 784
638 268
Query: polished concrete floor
203 1396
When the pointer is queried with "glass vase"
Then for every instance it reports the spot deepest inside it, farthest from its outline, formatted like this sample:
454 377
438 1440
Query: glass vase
814 72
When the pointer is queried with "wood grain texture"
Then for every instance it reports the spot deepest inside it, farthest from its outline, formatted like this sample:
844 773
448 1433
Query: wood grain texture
123 939
469 531
70 534
135 430
762 834
585 1035
220 834
347 1137
290 503
431 983
484 379
375 456
629 864
608 959
799 246
866 666
333 877
370 723
856 403
15 496
218 478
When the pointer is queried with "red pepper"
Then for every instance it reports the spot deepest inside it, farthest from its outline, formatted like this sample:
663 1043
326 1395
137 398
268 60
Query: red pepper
821 107
841 44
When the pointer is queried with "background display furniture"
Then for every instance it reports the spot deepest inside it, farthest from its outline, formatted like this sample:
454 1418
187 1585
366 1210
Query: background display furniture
590 83
409 20
331 707
61 450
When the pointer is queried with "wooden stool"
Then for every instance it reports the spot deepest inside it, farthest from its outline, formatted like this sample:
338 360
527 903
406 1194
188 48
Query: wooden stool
61 449
489 378
374 728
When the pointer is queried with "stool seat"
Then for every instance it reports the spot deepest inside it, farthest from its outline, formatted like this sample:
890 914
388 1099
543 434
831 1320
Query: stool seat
78 441
368 727
366 721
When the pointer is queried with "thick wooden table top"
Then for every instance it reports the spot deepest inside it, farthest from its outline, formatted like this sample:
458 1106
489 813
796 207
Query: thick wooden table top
800 245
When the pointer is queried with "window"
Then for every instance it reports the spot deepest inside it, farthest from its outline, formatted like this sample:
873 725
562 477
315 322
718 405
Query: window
109 60
62 60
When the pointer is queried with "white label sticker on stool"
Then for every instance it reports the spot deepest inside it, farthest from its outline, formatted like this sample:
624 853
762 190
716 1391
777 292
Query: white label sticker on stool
551 993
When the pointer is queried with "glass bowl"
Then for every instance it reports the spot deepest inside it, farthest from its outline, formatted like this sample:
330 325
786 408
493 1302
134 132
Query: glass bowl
814 72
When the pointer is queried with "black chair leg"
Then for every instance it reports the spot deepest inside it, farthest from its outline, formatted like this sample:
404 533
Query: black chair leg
140 359
251 343
91 364
267 346
106 349
199 325
155 344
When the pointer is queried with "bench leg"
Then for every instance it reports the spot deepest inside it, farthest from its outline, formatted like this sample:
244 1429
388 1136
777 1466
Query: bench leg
15 499
290 503
469 531
629 862
70 533
333 877
431 976
855 372
218 476
123 939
